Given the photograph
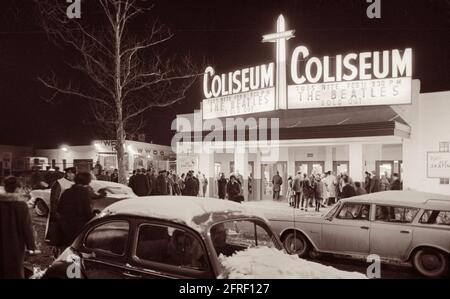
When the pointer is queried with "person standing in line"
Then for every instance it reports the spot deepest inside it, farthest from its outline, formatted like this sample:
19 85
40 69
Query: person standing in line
74 209
396 184
359 190
291 193
277 181
384 183
367 182
319 190
348 190
204 185
162 184
222 186
196 184
52 233
115 176
374 182
16 231
234 190
297 188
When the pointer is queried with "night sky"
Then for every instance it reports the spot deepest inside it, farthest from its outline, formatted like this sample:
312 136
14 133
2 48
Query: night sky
224 34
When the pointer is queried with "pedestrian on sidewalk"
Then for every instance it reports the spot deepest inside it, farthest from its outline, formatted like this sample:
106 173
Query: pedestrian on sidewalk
16 233
297 188
277 181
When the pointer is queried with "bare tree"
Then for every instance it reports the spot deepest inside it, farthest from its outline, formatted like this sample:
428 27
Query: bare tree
125 72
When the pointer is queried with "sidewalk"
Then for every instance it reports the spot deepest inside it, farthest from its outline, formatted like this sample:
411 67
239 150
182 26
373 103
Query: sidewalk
279 208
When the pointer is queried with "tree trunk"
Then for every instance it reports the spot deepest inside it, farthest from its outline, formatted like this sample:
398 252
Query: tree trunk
121 155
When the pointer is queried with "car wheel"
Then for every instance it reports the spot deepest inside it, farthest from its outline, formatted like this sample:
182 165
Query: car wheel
430 262
41 208
296 243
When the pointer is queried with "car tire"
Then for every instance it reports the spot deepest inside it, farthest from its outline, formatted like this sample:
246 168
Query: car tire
41 208
296 243
431 262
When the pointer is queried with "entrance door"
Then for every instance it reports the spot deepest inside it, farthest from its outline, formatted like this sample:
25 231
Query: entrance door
267 173
386 168
309 167
341 167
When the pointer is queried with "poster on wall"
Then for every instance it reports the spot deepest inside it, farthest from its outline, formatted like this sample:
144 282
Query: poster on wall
438 165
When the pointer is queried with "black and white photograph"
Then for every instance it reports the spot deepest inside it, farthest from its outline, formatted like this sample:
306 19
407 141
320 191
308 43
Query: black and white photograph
234 140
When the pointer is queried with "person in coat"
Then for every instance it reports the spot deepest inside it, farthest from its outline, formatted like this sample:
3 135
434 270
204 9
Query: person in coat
140 184
204 185
359 190
367 182
16 231
234 190
297 188
277 181
396 184
374 183
330 184
348 190
162 184
51 234
189 185
74 209
319 191
222 186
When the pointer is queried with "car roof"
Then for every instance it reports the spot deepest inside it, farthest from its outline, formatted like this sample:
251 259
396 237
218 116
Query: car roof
195 212
405 198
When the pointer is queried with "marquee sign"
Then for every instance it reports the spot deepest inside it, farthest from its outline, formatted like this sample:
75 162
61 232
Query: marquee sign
355 79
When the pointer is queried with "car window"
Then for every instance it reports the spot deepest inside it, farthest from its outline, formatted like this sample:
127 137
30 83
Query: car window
395 214
110 238
435 217
354 211
233 236
170 246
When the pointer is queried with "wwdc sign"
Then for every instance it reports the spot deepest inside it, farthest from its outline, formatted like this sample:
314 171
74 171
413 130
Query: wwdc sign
355 79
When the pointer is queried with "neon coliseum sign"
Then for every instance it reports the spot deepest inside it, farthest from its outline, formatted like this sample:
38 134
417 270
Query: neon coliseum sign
362 66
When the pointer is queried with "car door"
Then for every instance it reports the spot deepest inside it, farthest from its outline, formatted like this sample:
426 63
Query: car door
104 250
348 231
166 250
392 233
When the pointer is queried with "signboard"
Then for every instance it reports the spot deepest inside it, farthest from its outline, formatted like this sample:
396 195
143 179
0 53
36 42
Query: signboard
350 94
355 79
186 162
262 100
438 165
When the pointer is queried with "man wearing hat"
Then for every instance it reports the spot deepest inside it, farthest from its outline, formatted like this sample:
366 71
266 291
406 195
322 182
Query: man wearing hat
61 185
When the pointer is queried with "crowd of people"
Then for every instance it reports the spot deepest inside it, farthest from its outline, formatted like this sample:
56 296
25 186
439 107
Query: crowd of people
147 183
321 190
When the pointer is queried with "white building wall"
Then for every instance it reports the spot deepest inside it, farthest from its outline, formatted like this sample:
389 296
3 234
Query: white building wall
430 125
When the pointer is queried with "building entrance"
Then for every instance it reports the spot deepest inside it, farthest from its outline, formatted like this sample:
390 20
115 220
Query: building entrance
268 171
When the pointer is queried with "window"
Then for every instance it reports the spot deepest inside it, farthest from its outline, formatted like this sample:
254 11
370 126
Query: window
435 217
110 238
354 211
395 214
444 147
233 236
445 181
171 246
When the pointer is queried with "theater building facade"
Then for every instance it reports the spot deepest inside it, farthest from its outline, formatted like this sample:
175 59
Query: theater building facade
347 114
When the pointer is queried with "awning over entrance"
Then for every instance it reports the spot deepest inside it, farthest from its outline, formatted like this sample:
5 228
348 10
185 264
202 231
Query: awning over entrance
325 123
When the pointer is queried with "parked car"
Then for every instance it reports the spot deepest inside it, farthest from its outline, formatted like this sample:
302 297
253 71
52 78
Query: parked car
40 199
398 226
163 237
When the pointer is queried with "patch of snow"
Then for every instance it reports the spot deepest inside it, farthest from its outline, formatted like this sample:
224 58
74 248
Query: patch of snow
270 263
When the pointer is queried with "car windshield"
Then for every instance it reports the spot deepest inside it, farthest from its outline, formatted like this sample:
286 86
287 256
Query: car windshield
233 236
330 214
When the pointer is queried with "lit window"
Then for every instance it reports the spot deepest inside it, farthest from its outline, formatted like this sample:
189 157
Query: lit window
445 181
444 147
